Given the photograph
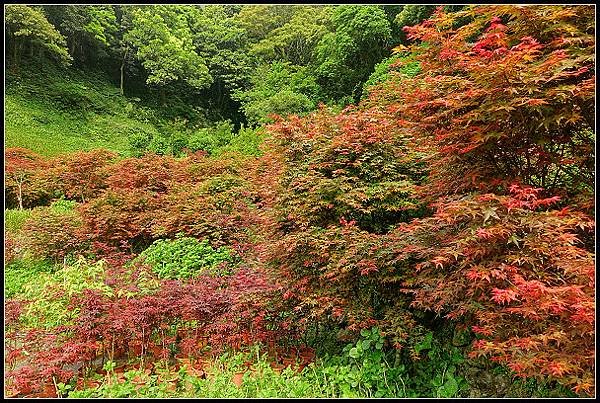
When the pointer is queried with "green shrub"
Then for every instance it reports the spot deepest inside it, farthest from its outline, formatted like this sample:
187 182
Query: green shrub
247 141
280 88
14 219
185 257
436 374
52 232
178 142
77 97
282 103
63 206
262 382
139 141
363 370
49 292
159 145
382 70
130 386
210 139
23 271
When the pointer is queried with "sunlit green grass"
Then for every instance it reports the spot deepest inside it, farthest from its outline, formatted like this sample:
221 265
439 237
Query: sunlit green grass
50 111
48 131
14 219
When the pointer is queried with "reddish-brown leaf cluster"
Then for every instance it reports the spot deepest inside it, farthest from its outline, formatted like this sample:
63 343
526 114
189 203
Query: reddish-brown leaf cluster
501 98
519 275
502 114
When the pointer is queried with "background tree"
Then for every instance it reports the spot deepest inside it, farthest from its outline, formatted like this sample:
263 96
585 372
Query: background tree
163 42
359 39
260 20
21 165
89 30
296 39
279 88
27 27
222 42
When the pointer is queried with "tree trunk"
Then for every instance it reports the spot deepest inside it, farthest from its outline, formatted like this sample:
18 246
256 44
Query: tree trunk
16 55
123 68
163 96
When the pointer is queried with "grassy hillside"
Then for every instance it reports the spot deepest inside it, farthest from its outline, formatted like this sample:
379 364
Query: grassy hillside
51 110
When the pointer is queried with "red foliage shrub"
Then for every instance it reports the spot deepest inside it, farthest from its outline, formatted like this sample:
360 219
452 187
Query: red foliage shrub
501 99
80 175
120 220
10 249
345 181
21 188
253 313
224 309
53 234
151 172
354 165
219 209
12 312
45 361
228 311
514 271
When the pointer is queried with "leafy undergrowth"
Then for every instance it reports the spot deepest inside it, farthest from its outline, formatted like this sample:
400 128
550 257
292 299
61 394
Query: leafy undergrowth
185 257
362 369
51 111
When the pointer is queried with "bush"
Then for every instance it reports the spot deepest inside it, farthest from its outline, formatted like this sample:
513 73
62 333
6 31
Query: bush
53 232
22 178
179 142
49 292
247 141
363 371
212 138
282 103
21 272
517 273
159 145
139 141
120 219
346 180
410 68
279 88
80 175
63 206
185 257
14 220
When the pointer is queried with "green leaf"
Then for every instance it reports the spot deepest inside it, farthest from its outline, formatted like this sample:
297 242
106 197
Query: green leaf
449 388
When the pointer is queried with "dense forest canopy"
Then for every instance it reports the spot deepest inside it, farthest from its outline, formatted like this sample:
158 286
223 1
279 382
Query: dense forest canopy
300 200
214 55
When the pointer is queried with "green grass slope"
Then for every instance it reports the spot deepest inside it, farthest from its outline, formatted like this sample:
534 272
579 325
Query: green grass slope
51 110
